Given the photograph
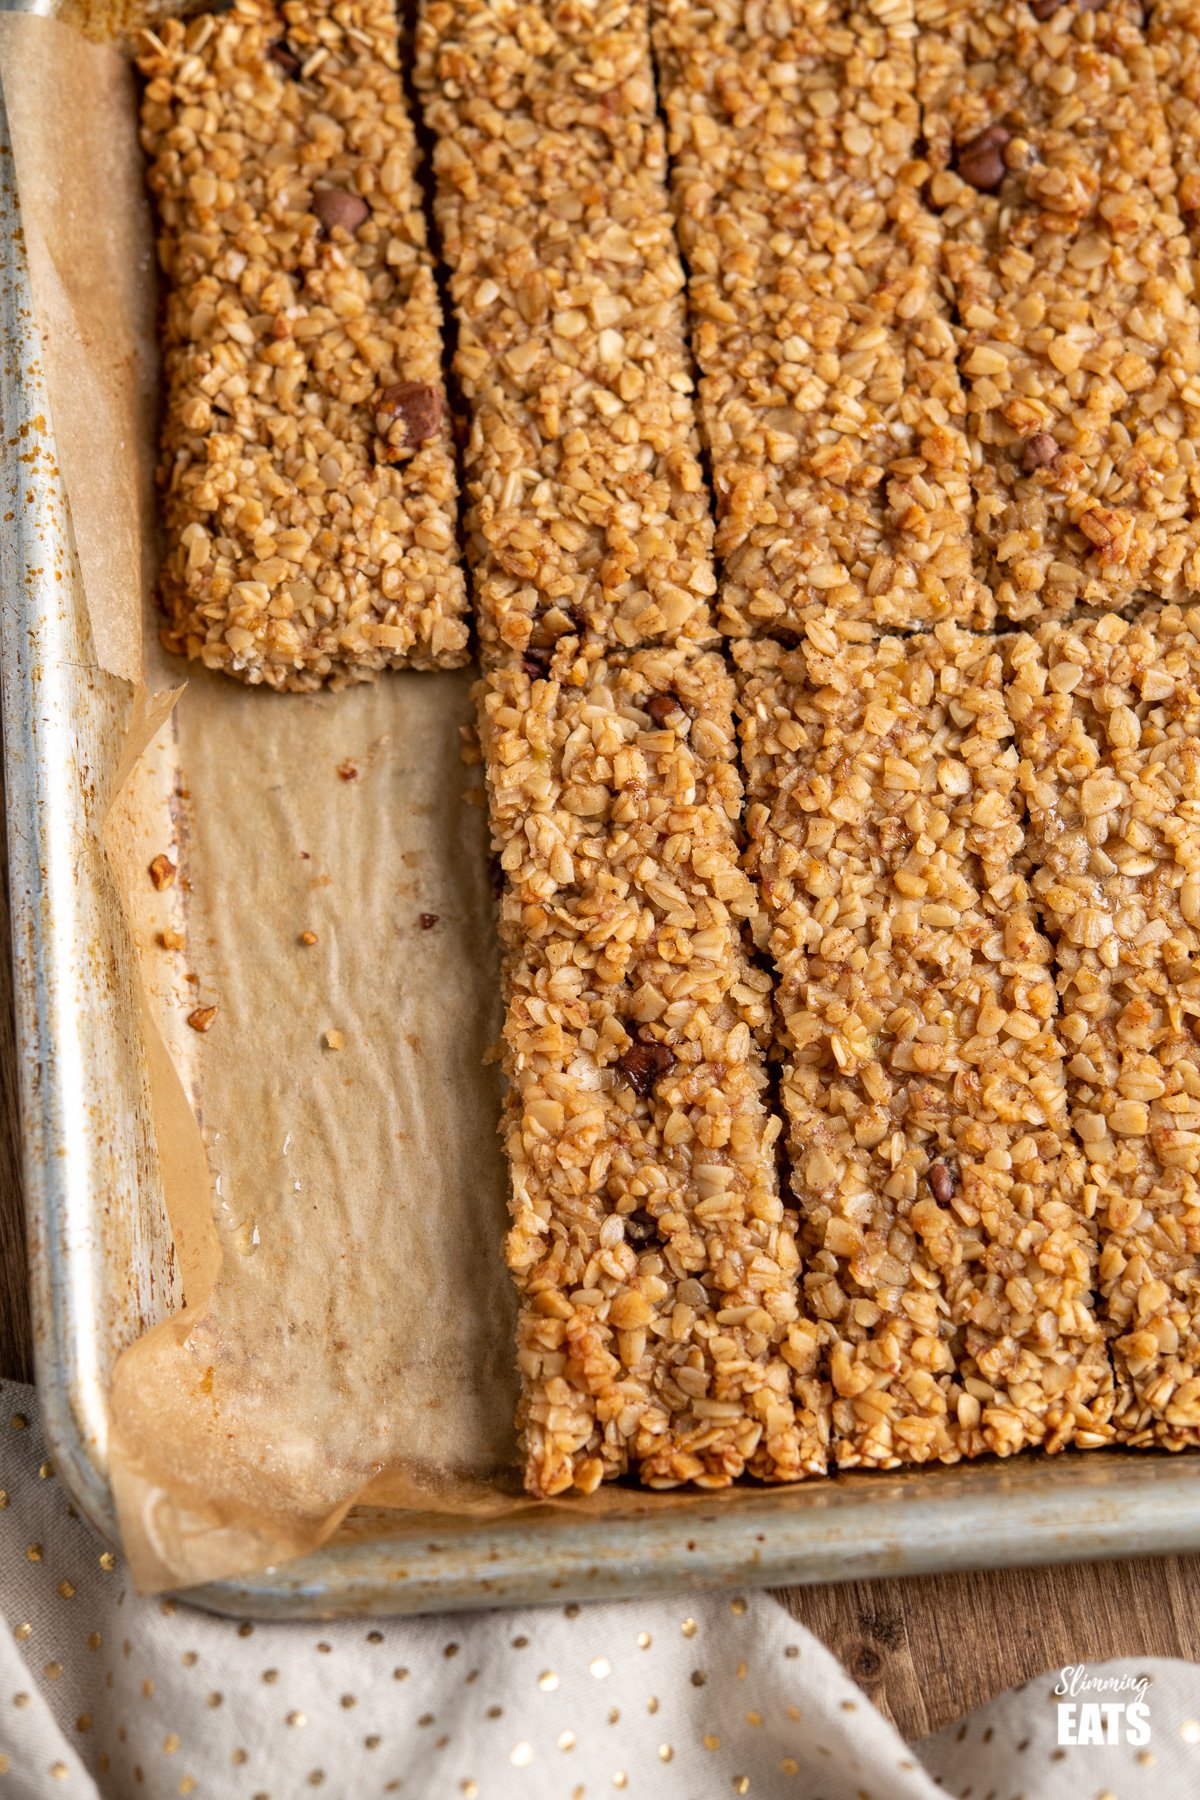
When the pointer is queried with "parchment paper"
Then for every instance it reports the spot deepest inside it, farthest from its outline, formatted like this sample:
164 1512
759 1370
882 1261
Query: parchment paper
338 1211
356 1344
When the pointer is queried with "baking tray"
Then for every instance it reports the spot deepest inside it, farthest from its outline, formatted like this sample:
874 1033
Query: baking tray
101 1262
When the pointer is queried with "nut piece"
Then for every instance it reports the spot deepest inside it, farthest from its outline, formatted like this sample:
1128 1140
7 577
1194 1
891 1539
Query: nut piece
337 208
981 162
644 1064
201 1019
1039 452
163 872
417 405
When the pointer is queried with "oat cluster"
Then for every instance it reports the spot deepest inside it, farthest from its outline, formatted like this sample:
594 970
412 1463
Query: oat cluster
942 1237
660 1329
307 470
586 503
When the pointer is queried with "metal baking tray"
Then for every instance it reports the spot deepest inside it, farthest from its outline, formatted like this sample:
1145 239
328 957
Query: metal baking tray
101 1261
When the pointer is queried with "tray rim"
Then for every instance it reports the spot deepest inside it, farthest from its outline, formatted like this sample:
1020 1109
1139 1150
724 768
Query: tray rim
1081 1506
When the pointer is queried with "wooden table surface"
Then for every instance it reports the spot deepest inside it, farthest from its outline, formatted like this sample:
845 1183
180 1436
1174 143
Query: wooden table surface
925 1648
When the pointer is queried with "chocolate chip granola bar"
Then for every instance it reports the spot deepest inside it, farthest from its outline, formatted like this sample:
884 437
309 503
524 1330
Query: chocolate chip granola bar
942 1236
830 394
587 509
661 1330
308 476
1108 725
1068 268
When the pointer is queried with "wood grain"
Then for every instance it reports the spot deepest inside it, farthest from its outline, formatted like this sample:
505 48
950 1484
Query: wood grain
925 1649
928 1648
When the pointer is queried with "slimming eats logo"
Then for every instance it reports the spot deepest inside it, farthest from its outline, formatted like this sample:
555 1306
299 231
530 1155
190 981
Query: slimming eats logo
1102 1709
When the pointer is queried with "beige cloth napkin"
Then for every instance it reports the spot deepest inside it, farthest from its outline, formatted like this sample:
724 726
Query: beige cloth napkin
104 1693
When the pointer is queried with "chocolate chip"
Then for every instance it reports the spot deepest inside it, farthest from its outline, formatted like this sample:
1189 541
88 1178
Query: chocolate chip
639 1226
661 707
943 1182
285 58
1039 452
428 921
644 1064
418 405
981 162
337 208
536 660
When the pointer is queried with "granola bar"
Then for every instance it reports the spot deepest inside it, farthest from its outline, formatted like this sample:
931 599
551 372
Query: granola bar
660 1331
1108 723
1069 272
586 502
309 486
830 394
941 1235
1173 32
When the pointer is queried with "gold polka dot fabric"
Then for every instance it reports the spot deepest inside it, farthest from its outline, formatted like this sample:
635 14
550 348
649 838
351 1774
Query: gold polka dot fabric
106 1693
